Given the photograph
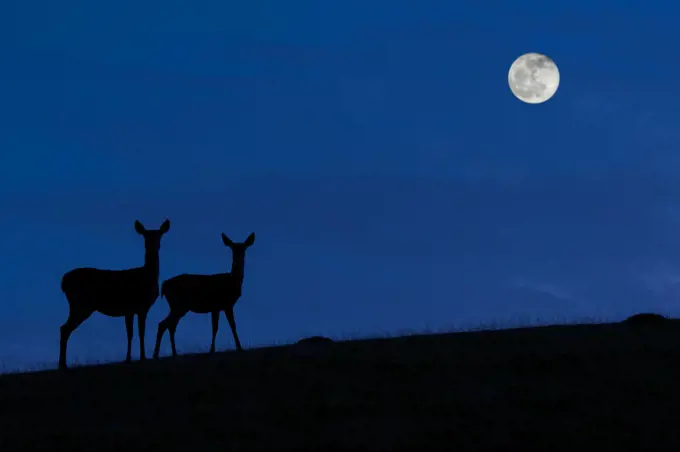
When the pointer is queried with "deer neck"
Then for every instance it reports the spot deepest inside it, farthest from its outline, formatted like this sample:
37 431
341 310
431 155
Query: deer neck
237 267
152 265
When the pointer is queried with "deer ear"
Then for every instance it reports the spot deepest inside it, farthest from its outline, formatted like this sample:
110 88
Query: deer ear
139 228
227 241
165 227
250 240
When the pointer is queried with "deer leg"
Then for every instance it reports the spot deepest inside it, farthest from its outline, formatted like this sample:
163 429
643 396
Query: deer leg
129 327
172 327
141 326
232 323
74 320
215 317
162 326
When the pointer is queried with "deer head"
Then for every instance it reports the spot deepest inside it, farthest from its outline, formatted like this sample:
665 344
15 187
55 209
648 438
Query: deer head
152 237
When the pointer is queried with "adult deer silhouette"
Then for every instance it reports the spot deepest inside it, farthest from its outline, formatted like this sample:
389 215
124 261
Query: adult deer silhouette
204 294
115 293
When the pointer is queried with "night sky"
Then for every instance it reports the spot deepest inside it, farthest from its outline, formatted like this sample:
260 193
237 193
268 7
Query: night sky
392 179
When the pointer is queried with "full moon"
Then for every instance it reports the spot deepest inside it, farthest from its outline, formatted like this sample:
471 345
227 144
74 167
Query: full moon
534 78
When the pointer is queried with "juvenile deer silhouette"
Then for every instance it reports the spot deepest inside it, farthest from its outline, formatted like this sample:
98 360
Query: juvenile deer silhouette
204 294
115 293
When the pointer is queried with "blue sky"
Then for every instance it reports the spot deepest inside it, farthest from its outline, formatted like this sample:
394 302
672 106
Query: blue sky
393 181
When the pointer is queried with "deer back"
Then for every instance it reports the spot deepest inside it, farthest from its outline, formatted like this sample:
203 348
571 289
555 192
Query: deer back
131 286
184 289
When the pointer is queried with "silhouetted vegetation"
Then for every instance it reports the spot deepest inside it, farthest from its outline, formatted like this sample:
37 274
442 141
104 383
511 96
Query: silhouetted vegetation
314 340
557 388
647 319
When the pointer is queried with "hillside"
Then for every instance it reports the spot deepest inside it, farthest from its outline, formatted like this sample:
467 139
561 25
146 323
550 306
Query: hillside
606 387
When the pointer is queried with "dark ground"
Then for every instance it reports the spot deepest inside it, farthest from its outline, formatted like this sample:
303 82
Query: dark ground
601 387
